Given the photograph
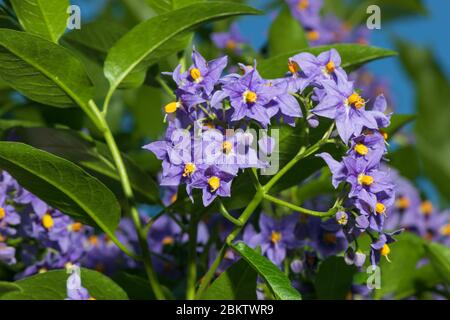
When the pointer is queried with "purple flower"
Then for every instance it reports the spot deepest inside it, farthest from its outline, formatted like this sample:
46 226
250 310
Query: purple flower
202 76
164 232
7 254
381 248
343 104
364 177
276 236
251 97
306 11
327 237
353 257
325 66
231 40
367 146
214 182
75 291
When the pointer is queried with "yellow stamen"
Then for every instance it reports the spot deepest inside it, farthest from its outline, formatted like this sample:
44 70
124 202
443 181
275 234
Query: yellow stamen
227 146
214 183
250 96
168 240
189 169
293 67
303 5
445 230
76 227
171 107
356 100
343 220
361 149
275 237
330 67
93 240
42 270
385 250
231 44
196 74
174 198
2 213
47 221
380 208
313 35
384 134
426 208
92 298
402 203
365 179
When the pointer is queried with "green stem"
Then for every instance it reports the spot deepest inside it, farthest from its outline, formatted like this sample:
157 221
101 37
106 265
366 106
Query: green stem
166 88
286 204
211 272
128 191
261 193
228 216
192 265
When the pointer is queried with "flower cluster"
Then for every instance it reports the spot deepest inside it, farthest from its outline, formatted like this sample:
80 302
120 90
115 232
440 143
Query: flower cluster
42 238
324 30
207 142
416 215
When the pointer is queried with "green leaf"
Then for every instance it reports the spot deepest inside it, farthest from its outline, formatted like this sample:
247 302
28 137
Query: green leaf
138 48
43 71
51 285
439 256
277 281
92 156
160 6
62 185
353 56
398 121
432 90
45 18
424 279
7 287
406 161
401 270
334 279
238 282
286 34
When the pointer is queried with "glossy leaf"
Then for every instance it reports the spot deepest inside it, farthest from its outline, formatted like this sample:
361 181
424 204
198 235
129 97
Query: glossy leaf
92 156
51 285
286 34
42 70
439 256
136 50
45 18
404 256
353 56
238 282
334 279
398 121
62 185
278 282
